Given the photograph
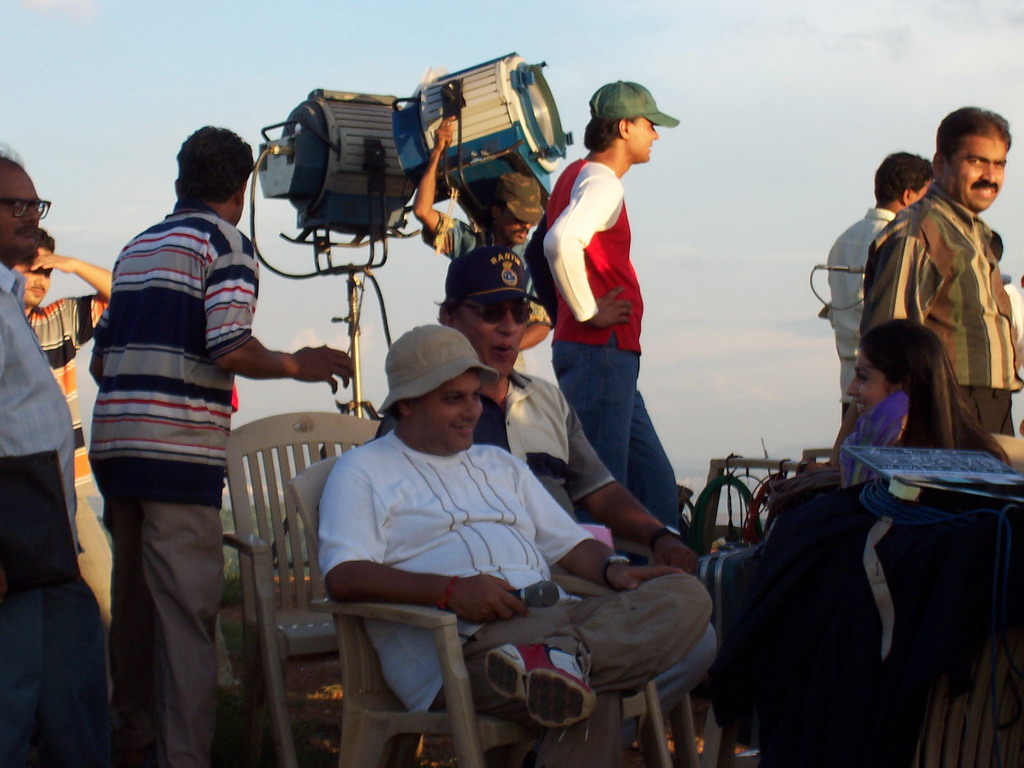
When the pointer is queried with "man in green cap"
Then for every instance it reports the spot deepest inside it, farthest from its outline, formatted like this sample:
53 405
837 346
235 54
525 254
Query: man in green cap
596 350
515 208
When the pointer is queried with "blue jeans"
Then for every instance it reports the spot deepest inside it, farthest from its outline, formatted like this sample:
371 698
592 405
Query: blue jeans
600 383
52 676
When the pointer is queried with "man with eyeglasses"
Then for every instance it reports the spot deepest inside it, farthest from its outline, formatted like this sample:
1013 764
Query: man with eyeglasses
63 327
52 677
486 301
515 209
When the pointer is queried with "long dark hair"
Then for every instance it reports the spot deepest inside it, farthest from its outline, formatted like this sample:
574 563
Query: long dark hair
911 356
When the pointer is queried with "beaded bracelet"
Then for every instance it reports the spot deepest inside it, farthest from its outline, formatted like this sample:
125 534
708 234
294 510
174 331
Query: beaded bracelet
443 605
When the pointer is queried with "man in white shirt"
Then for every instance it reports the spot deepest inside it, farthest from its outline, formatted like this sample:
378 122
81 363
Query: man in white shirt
52 677
423 516
901 180
596 347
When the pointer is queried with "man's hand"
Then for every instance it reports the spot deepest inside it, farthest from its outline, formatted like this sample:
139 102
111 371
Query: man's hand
445 134
322 364
669 550
48 260
484 598
610 310
98 277
625 577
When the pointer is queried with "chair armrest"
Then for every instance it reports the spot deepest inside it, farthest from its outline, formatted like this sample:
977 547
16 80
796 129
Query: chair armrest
249 546
414 615
257 562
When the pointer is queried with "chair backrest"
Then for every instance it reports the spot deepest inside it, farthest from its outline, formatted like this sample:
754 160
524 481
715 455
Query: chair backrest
306 488
262 457
361 670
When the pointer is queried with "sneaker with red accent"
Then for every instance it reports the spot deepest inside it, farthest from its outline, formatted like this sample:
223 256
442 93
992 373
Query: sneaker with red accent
548 680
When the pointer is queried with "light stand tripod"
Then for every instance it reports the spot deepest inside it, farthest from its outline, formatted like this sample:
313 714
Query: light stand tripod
356 406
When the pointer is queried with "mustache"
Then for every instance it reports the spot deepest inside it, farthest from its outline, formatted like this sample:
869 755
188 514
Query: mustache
980 184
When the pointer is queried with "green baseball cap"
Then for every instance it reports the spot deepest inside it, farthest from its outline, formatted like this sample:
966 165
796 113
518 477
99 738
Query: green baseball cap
622 100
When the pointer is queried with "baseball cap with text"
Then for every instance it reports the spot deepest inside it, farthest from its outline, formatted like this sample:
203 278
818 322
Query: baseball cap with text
487 275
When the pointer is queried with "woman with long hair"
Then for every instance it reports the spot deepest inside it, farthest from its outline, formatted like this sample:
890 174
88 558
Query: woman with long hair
906 394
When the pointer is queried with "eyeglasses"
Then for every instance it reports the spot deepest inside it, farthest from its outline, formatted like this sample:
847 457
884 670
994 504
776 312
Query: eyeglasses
495 313
20 206
45 271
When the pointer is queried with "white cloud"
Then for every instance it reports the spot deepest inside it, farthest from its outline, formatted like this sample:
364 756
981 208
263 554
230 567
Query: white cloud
82 11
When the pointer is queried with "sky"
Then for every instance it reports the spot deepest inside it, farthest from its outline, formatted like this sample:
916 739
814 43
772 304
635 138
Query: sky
786 110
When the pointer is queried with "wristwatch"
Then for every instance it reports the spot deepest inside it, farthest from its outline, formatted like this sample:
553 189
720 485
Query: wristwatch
666 531
613 560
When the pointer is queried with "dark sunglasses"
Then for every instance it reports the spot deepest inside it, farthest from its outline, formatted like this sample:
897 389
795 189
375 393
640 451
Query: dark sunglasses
45 271
495 313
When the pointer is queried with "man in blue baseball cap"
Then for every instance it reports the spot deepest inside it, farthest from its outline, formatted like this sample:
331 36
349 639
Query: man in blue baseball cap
596 349
527 416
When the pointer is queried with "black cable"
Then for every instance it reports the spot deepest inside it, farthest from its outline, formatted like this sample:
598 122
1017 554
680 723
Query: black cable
810 279
252 225
383 310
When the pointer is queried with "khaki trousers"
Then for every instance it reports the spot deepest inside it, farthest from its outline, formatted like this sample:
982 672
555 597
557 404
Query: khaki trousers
168 567
95 560
629 636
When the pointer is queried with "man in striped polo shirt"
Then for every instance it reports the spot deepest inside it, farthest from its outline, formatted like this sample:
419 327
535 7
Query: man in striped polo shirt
63 327
936 264
177 330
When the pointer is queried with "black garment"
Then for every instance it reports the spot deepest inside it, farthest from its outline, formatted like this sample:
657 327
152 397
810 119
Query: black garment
490 429
806 648
540 271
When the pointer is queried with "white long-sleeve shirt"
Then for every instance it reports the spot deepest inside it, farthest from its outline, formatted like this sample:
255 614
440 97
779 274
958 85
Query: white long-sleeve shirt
595 203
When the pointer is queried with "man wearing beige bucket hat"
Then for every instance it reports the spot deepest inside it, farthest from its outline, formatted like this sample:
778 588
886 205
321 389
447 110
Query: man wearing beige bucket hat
423 516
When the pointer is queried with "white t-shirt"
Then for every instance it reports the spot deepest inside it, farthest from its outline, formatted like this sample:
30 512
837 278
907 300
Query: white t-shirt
478 511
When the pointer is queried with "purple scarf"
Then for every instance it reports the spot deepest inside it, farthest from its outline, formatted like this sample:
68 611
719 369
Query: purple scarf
880 427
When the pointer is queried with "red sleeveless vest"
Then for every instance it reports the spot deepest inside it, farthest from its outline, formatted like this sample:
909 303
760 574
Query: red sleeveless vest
608 266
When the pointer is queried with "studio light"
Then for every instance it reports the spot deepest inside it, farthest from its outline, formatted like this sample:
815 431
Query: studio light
335 161
507 121
350 162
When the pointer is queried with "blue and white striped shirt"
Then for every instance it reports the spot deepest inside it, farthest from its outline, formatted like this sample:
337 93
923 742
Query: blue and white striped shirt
184 294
